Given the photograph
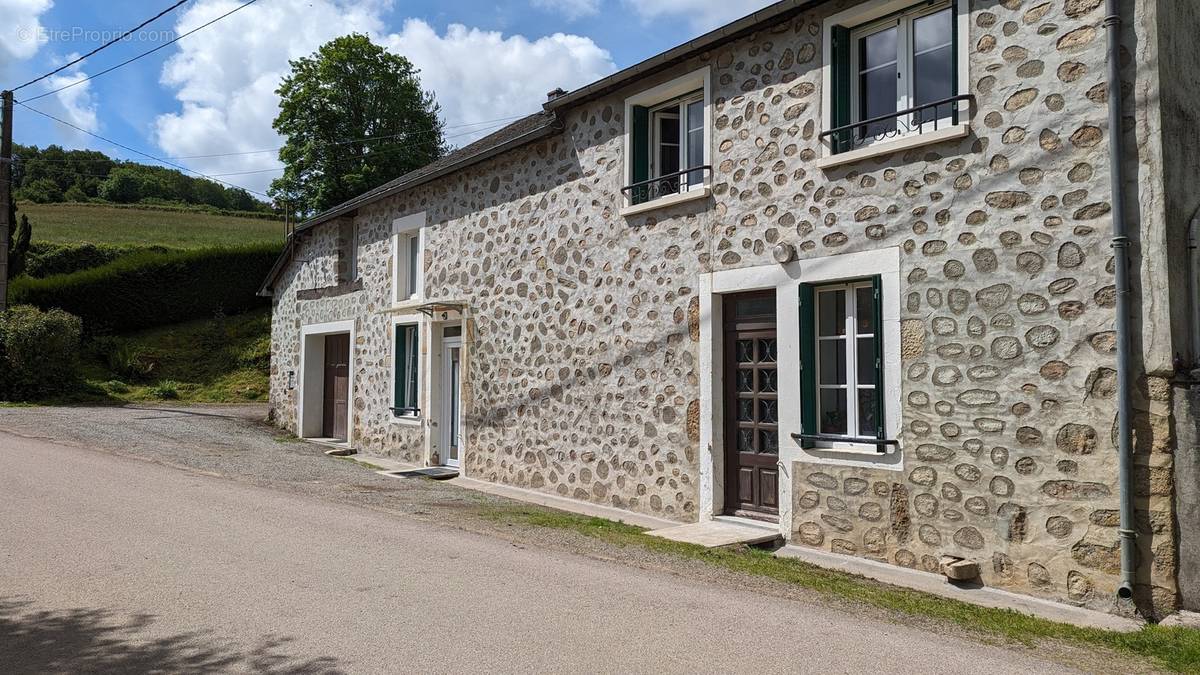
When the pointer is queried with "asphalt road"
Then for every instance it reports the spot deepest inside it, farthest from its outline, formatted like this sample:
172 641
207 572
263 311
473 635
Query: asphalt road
113 564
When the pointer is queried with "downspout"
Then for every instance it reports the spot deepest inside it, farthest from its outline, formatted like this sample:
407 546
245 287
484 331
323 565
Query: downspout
1120 246
1193 243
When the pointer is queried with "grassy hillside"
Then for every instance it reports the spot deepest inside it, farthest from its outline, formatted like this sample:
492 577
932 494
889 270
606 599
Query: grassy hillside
224 359
101 224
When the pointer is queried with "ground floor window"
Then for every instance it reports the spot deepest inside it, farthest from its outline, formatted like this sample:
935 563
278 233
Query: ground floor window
407 371
842 361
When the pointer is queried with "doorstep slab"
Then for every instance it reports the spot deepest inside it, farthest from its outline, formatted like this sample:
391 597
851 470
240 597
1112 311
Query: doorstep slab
718 534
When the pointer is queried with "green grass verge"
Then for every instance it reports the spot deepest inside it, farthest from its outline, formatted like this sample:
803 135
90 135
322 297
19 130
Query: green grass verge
210 361
1174 648
104 224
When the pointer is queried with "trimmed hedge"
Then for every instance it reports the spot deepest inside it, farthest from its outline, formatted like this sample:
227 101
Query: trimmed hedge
46 259
153 288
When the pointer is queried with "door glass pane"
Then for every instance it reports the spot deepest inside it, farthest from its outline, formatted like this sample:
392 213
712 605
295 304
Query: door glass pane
695 141
833 411
833 361
878 49
864 301
454 390
866 413
745 408
768 381
768 441
866 361
832 309
766 351
768 411
757 305
745 440
745 351
745 381
668 145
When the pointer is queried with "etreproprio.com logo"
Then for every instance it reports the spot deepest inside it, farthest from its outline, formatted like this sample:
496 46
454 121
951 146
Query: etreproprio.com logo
42 34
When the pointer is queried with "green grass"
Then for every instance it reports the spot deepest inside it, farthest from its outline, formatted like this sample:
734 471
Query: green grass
104 224
1174 648
210 361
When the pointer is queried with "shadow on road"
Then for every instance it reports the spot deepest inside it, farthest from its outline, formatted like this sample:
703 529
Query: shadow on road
101 641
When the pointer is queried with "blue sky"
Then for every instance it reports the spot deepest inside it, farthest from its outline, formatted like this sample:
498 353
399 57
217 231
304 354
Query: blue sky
212 93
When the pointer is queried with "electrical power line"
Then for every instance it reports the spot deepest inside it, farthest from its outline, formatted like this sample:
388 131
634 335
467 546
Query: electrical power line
104 46
139 56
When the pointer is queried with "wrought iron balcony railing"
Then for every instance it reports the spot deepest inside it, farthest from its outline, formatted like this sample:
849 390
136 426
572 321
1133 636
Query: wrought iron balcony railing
672 183
916 120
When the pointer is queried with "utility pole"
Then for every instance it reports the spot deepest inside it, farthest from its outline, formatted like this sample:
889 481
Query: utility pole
6 126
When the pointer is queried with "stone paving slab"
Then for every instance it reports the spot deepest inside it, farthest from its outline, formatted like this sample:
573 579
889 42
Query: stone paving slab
718 534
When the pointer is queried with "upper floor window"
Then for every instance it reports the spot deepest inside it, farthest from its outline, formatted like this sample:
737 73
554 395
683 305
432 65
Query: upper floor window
347 253
668 139
894 72
408 253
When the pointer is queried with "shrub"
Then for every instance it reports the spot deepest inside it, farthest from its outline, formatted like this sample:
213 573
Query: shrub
152 288
127 360
39 353
167 390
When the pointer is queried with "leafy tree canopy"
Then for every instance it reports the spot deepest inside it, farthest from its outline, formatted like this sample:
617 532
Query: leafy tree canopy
350 90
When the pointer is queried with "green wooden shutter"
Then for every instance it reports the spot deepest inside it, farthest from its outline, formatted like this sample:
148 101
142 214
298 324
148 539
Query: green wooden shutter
400 368
880 427
842 79
640 151
808 364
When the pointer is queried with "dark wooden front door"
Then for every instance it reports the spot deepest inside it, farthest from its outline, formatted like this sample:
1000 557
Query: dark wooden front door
752 405
337 385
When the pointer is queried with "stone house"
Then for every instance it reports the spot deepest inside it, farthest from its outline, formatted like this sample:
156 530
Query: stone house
842 266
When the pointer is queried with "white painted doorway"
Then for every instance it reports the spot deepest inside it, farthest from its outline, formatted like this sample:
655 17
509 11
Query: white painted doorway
451 422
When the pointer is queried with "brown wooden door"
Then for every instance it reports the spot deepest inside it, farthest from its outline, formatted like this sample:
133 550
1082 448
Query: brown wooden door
752 405
337 385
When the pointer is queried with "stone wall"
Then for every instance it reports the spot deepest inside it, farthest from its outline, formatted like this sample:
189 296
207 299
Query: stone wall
582 358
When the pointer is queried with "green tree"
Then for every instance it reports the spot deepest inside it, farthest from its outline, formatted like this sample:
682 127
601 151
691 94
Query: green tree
122 186
19 235
349 90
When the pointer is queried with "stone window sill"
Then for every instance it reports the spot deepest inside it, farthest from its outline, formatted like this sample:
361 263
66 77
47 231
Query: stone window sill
407 420
894 146
669 200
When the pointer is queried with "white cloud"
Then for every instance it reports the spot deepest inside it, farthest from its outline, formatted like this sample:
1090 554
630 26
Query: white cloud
225 77
21 33
482 75
572 9
703 15
77 103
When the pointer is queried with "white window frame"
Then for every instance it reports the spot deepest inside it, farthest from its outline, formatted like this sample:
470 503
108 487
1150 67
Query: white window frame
696 85
850 338
408 232
676 109
409 417
904 64
872 17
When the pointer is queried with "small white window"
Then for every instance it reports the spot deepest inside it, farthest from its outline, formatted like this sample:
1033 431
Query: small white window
406 371
408 258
